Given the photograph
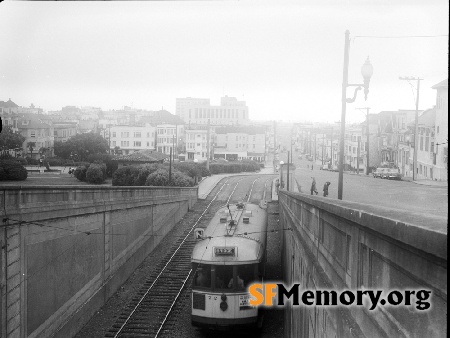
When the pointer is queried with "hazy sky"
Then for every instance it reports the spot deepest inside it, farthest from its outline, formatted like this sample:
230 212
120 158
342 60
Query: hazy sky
284 58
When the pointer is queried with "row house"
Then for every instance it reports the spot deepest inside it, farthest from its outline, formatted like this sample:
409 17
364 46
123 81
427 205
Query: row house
9 114
441 136
426 144
432 152
130 139
36 132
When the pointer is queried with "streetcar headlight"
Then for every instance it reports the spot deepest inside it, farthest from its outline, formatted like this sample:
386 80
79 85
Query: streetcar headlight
223 306
223 297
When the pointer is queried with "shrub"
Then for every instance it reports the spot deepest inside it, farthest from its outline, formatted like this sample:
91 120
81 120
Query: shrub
111 166
161 178
125 176
55 161
96 173
80 173
3 175
32 161
21 160
144 171
80 164
13 170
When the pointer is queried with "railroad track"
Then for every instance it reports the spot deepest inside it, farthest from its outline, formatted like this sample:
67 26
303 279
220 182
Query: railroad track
147 313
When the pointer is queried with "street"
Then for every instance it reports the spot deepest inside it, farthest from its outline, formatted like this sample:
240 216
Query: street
401 195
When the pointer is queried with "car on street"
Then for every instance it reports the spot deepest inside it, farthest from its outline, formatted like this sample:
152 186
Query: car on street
379 172
334 168
392 174
324 167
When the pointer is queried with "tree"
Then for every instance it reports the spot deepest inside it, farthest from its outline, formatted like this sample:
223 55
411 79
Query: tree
31 146
10 139
83 145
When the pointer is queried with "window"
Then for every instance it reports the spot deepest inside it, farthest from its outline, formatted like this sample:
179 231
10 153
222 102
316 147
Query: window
125 134
114 134
137 143
432 147
137 134
124 143
32 133
421 142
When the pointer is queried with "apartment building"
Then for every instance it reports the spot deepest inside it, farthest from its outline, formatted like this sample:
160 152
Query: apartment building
130 139
237 143
197 145
169 137
199 111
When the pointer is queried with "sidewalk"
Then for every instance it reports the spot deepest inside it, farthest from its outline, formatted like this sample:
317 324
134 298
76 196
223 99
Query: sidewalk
430 183
208 184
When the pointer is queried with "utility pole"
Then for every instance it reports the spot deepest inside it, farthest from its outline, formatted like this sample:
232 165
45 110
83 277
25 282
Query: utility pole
323 144
275 146
357 155
331 150
287 178
170 166
207 146
416 123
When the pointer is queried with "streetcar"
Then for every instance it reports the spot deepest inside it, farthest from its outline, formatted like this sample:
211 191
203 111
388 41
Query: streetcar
229 256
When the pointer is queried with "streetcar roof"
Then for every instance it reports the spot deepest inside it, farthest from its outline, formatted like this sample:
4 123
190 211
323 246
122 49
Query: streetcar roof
242 243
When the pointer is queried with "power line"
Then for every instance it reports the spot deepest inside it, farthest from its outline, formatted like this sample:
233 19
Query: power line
399 36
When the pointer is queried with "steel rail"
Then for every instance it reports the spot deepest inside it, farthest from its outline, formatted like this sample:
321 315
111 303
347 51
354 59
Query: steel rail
165 266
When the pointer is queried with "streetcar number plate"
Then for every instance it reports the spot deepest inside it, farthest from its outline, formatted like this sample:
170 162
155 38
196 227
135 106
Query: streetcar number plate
224 251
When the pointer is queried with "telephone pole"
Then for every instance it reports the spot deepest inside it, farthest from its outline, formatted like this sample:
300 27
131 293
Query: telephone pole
416 123
207 146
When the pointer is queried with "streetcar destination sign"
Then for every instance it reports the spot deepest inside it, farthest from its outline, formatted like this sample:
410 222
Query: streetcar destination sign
224 251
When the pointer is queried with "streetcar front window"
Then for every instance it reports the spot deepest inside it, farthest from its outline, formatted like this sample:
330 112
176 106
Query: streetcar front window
202 276
236 278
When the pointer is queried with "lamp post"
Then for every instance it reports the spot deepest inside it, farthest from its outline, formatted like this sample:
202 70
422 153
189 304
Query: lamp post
366 71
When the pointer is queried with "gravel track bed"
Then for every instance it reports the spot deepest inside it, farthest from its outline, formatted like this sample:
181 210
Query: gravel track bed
103 320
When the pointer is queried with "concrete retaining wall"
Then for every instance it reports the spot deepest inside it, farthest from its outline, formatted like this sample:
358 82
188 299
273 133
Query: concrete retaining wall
66 250
342 245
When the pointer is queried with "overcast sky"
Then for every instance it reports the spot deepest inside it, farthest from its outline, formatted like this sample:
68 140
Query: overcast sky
284 58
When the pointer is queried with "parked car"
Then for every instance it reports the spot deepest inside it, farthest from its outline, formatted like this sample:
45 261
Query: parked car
379 172
392 174
324 167
334 168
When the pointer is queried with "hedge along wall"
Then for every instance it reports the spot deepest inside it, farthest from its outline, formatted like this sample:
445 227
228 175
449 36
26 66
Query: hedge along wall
84 242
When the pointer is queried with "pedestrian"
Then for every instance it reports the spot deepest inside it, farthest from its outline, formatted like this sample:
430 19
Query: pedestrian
312 166
325 188
70 171
277 185
313 186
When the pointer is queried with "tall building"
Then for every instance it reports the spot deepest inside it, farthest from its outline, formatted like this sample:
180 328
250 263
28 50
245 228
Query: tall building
198 111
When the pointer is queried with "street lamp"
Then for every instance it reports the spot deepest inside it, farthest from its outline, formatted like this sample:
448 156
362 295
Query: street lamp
366 71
